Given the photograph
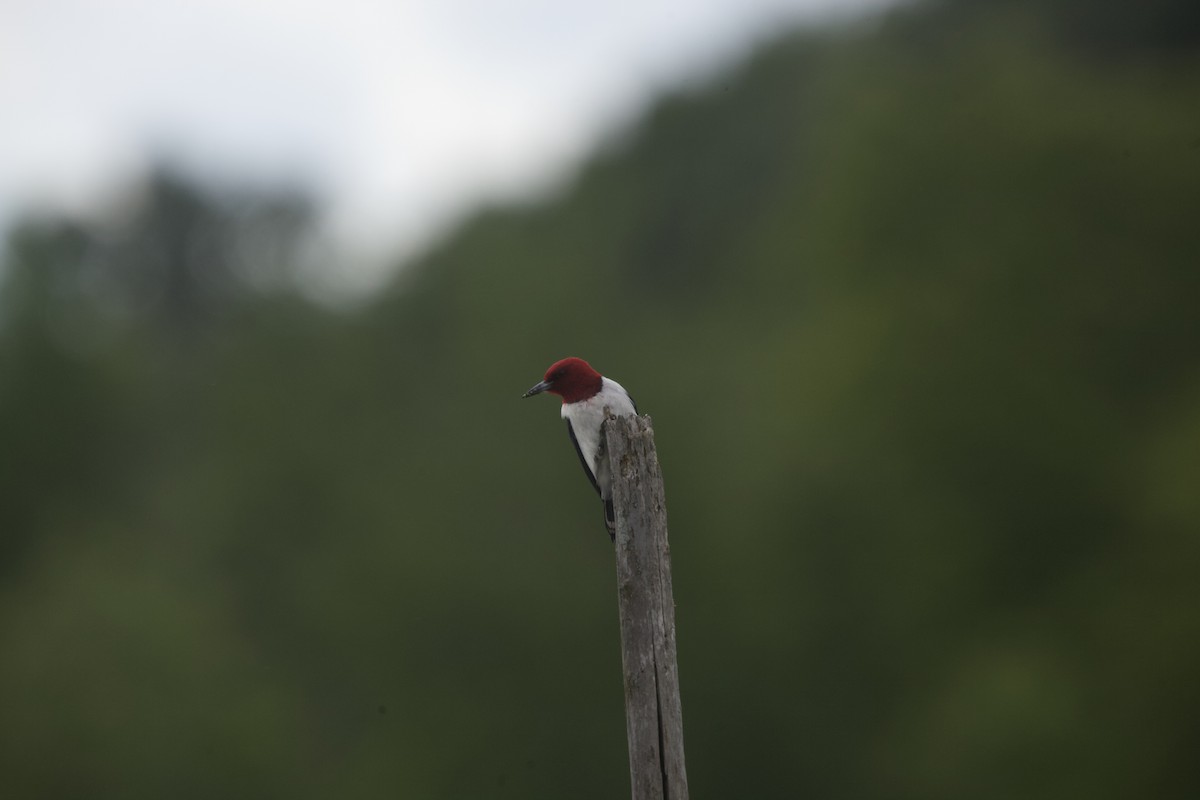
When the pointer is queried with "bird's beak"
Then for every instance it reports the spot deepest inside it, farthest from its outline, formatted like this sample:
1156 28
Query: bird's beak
537 388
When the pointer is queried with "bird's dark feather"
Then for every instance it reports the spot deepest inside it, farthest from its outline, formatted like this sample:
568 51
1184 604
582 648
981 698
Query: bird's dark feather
582 460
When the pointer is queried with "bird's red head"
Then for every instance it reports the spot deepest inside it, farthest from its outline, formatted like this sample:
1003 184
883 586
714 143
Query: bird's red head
572 379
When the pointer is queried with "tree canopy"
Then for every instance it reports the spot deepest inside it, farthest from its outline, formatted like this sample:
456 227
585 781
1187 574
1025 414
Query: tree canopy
914 308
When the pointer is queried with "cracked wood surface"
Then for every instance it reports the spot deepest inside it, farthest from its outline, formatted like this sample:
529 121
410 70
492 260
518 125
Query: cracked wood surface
653 715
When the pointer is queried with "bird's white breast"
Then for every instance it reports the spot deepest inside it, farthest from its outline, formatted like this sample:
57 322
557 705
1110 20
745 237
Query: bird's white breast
586 416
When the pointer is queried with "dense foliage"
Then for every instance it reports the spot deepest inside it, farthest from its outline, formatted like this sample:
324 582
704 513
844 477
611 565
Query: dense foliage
915 310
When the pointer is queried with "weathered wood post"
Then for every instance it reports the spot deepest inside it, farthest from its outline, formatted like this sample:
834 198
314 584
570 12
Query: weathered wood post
653 718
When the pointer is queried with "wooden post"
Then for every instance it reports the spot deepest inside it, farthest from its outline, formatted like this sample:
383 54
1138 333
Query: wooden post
653 718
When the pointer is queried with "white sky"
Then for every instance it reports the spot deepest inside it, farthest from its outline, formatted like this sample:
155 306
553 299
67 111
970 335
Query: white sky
399 115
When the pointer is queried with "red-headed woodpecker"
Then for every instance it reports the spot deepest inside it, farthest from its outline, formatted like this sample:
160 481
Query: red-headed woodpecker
585 395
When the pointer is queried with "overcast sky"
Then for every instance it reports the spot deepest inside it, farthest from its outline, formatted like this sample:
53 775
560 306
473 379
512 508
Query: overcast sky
398 114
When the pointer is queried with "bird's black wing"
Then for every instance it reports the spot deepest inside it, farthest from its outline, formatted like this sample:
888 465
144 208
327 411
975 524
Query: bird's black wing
582 460
609 517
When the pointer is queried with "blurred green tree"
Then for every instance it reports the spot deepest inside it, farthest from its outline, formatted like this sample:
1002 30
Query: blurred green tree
913 306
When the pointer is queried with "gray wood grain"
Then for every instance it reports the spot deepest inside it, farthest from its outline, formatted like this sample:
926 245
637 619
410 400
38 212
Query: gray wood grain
653 715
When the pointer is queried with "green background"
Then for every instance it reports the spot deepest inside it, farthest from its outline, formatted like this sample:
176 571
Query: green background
914 306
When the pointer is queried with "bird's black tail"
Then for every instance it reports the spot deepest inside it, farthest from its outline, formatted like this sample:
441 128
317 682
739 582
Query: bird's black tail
610 519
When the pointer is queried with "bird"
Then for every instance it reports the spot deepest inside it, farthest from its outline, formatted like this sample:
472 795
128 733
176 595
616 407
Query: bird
585 395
